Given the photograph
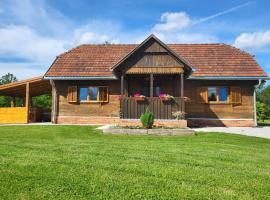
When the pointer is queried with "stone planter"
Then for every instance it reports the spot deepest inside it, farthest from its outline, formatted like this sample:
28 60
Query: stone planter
156 131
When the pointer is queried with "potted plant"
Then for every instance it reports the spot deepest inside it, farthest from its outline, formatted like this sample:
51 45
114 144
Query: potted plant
147 119
165 97
179 115
139 97
185 99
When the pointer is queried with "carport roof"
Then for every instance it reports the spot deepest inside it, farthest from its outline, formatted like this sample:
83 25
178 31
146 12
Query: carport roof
37 86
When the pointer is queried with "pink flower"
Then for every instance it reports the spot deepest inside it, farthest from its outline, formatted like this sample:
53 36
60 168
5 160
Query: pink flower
162 95
137 94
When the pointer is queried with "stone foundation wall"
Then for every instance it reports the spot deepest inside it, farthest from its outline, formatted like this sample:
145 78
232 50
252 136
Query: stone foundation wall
220 123
117 121
87 120
168 123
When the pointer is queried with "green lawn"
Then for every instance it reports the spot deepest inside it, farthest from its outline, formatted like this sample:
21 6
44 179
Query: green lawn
72 162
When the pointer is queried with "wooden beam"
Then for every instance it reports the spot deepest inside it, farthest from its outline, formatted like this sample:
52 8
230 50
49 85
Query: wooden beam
13 102
27 100
151 85
182 85
122 85
182 92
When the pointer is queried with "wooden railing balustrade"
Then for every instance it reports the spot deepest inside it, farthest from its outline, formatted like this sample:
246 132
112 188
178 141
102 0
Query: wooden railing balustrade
132 109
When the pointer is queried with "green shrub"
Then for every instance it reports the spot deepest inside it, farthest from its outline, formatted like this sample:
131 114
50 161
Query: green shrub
261 111
147 119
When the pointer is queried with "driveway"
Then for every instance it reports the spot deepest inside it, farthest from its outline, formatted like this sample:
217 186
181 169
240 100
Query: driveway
263 132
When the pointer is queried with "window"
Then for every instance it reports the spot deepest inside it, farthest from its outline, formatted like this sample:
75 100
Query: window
217 94
223 94
94 94
212 94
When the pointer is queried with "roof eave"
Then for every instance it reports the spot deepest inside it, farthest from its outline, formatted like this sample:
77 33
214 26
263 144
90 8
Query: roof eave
229 78
80 78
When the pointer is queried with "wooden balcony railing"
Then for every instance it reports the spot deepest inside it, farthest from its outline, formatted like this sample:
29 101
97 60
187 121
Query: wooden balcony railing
132 109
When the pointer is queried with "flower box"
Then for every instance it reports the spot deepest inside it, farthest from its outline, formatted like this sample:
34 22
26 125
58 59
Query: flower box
139 98
165 97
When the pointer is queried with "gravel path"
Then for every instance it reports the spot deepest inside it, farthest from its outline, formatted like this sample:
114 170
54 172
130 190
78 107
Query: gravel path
263 132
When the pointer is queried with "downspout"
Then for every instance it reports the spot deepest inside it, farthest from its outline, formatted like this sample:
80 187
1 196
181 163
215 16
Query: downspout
54 102
255 102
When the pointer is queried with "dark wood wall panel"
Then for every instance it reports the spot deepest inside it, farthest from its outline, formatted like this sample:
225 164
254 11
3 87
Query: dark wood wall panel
110 109
132 109
196 109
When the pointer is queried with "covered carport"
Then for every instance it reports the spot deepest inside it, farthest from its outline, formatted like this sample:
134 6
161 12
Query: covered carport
25 89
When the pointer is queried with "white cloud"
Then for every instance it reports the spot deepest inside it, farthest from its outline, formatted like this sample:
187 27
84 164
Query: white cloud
95 33
38 15
23 70
23 42
179 26
255 40
172 22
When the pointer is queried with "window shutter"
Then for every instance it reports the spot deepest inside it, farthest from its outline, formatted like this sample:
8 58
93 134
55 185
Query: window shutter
72 94
103 94
235 95
202 94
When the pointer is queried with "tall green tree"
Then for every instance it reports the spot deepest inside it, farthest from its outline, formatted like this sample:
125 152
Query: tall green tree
263 97
8 78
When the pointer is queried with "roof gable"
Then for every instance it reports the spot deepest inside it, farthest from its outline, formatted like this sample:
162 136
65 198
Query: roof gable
152 45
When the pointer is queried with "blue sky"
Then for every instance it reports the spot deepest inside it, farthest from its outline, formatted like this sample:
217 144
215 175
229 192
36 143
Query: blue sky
34 32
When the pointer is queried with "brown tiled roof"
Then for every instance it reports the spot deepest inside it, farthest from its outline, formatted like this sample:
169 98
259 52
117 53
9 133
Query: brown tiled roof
206 59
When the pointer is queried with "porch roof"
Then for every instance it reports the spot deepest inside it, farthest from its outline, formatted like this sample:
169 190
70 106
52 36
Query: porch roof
37 85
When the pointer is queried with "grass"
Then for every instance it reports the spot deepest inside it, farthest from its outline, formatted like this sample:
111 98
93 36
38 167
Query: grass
72 162
264 123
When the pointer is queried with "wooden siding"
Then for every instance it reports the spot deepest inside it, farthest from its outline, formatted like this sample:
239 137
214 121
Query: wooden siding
194 109
197 109
108 109
152 58
132 109
15 115
155 70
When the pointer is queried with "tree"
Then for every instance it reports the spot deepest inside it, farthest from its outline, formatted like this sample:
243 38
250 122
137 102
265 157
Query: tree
261 111
8 78
43 101
263 96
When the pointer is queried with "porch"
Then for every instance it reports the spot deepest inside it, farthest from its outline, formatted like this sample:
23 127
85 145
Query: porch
151 87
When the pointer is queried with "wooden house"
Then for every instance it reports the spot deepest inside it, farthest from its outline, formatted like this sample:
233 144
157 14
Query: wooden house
205 84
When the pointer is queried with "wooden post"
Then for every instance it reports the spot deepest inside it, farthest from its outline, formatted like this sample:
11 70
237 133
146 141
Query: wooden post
182 85
27 100
13 102
122 85
182 91
151 85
